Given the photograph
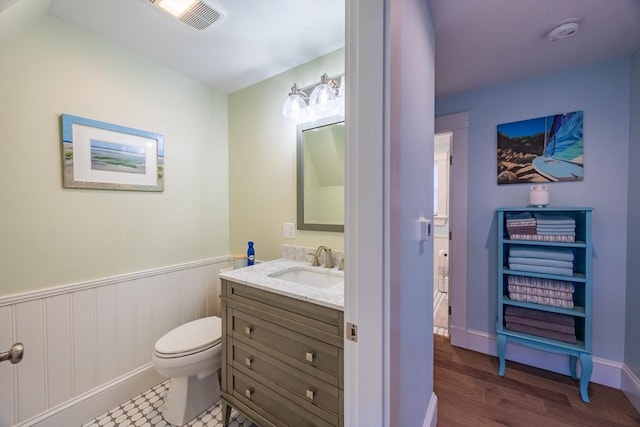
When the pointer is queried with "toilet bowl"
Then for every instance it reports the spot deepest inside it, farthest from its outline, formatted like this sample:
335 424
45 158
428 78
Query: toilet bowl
190 355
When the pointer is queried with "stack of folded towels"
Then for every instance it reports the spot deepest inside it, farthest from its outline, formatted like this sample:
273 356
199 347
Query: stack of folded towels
555 227
520 225
558 293
555 326
545 260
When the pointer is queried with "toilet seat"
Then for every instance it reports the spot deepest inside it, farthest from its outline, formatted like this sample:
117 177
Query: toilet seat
191 338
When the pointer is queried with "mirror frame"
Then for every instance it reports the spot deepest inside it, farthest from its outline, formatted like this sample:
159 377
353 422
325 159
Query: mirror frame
302 225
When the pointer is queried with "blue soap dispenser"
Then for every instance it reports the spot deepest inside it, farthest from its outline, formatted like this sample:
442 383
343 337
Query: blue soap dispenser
251 254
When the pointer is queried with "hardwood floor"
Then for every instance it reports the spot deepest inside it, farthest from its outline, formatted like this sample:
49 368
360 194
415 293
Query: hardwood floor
471 393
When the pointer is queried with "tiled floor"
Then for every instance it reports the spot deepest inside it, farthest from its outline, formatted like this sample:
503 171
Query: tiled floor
440 316
144 411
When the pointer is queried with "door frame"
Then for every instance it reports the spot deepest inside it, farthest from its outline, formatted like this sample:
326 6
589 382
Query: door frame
458 125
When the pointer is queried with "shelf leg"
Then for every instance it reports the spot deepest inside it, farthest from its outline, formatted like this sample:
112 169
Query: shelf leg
587 367
502 345
573 361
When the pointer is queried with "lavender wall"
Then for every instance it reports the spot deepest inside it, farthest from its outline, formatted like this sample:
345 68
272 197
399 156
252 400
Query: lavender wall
602 92
632 324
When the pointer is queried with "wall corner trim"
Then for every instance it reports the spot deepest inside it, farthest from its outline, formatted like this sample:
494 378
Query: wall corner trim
630 385
431 418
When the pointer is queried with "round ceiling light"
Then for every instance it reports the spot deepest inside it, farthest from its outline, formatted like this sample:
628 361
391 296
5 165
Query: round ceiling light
564 29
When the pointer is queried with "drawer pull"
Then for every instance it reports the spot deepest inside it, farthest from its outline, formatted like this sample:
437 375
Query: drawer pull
247 361
310 394
247 330
248 393
309 356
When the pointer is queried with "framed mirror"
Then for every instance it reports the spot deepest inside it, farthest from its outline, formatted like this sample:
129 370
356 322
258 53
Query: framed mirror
321 174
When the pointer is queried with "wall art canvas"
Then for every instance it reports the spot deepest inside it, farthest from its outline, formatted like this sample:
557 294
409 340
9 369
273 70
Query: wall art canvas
99 155
546 149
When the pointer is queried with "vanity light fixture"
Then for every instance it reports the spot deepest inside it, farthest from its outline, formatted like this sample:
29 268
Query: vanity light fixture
295 106
320 97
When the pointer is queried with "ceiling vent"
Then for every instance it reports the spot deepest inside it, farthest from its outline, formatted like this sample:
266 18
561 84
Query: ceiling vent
200 15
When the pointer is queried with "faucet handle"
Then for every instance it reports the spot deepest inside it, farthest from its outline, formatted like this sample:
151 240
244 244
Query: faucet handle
328 260
316 261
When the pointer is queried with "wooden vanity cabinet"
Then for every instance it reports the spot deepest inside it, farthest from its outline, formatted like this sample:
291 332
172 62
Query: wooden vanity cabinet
282 362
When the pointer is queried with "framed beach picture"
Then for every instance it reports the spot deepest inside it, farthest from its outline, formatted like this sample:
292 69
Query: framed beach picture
546 149
99 155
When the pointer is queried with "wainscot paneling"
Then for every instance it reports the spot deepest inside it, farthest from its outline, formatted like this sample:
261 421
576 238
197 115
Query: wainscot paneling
84 338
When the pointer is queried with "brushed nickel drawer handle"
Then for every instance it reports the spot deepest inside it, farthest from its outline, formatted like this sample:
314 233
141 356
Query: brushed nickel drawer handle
310 394
248 393
247 361
247 330
309 356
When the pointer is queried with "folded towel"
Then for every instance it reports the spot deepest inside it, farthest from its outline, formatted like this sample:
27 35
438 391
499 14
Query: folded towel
522 230
530 290
556 226
557 285
542 237
518 216
542 218
520 226
541 261
537 299
558 336
556 233
562 254
565 329
560 271
545 316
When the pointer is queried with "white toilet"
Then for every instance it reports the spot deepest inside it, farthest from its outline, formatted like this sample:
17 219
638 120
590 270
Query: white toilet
191 356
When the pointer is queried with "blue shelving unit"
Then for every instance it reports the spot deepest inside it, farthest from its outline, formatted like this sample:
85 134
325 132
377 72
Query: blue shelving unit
582 277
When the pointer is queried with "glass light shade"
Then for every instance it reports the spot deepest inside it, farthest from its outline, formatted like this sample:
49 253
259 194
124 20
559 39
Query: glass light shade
323 98
294 107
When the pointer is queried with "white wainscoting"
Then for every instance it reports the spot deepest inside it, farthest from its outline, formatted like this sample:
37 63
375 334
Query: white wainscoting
83 337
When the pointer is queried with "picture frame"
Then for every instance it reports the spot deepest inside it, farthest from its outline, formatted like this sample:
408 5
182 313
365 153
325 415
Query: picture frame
106 156
541 150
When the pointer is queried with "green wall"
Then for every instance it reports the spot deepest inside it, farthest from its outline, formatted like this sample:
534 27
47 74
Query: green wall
262 163
53 236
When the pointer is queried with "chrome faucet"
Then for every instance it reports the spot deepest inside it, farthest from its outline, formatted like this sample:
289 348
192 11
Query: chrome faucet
328 258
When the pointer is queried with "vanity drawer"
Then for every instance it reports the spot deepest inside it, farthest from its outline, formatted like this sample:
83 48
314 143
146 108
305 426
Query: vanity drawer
302 351
270 404
304 313
306 387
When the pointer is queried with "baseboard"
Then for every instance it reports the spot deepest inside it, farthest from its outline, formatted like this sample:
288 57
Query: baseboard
605 372
631 386
87 406
431 418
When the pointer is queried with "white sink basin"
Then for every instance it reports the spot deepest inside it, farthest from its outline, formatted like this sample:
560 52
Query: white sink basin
311 277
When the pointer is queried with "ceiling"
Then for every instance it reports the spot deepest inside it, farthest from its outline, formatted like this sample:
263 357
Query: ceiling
257 40
479 43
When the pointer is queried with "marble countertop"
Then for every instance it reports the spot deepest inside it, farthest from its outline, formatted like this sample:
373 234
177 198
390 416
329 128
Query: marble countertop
258 277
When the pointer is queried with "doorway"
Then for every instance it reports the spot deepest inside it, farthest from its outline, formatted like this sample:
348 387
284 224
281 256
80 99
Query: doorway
441 215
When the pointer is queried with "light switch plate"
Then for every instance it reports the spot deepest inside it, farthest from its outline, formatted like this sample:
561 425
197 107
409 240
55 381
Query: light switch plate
289 230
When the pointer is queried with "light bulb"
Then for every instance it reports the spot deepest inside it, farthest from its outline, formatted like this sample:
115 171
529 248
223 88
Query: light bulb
323 98
294 107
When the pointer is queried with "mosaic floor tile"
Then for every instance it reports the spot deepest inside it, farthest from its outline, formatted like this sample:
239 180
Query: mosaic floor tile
144 411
